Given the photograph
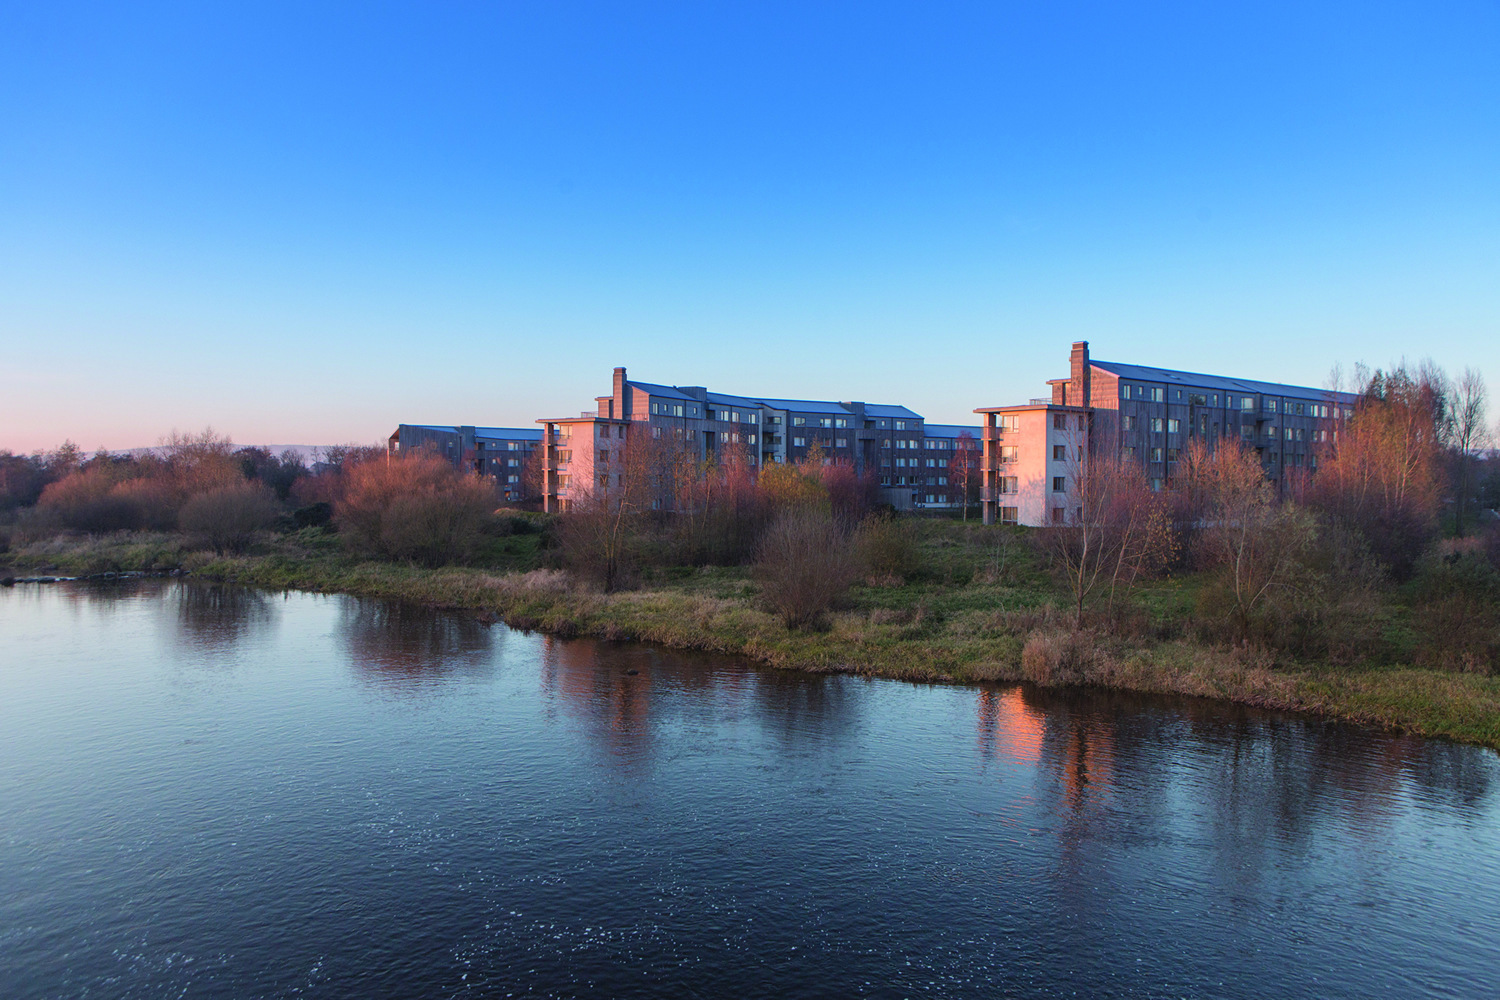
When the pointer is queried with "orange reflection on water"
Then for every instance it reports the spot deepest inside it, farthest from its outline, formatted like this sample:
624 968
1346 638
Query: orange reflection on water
1008 726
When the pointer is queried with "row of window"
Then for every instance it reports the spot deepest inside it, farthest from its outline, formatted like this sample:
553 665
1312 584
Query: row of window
1246 404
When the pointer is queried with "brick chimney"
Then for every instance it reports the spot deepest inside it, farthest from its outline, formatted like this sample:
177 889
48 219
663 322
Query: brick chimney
619 394
1079 377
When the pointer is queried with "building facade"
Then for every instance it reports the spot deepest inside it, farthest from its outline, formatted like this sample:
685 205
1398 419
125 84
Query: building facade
591 452
1146 415
501 452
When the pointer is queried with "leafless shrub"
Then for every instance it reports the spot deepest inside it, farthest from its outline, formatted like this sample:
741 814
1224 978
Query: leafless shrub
805 565
416 507
227 518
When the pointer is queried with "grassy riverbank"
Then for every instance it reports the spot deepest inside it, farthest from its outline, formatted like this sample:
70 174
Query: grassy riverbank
980 610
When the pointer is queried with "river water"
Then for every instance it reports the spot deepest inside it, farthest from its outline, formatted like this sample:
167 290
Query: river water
218 792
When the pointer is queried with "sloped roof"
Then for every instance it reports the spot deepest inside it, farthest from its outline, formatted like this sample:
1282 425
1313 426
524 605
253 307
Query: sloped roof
660 390
805 405
889 410
950 430
514 433
1146 373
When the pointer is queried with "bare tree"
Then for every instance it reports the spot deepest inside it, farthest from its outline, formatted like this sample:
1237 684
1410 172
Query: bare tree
1255 542
1114 529
964 469
1469 403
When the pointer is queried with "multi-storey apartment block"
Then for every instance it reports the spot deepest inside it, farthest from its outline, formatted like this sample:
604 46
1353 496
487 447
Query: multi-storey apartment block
501 452
591 452
1146 415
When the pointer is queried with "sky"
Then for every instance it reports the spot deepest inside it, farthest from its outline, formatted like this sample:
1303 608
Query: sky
308 222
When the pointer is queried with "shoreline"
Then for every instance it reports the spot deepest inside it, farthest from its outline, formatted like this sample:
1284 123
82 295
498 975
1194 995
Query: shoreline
934 634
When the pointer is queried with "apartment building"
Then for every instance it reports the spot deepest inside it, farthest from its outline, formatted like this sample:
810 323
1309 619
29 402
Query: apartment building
590 452
501 452
1147 415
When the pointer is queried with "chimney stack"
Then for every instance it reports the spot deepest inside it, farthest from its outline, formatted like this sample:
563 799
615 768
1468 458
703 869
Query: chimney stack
1079 377
619 394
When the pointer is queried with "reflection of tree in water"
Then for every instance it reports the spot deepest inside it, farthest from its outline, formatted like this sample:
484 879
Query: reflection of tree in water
404 646
1116 768
218 616
804 708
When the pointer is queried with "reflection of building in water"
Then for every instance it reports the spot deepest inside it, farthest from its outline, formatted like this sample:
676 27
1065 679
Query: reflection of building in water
1007 725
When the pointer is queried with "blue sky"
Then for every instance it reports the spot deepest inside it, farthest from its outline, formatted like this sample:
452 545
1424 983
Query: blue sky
305 223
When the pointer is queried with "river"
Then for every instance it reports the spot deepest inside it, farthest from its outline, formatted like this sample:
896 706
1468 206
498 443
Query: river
219 792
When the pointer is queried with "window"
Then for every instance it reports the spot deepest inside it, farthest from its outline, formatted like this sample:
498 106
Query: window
604 454
1271 432
1271 404
1059 484
1171 454
932 463
1247 403
1301 409
656 433
900 463
1246 432
886 443
901 442
750 438
1157 394
799 421
826 422
1059 422
1129 423
901 425
512 446
1010 515
1007 453
1288 433
1010 484
1197 399
841 422
1156 486
1130 451
723 415
512 462
512 479
1057 515
942 463
1156 425
1124 391
799 442
604 479
1156 454
931 498
1174 426
1059 453
1010 422
942 480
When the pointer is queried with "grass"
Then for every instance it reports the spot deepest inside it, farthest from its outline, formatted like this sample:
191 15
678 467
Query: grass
981 610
